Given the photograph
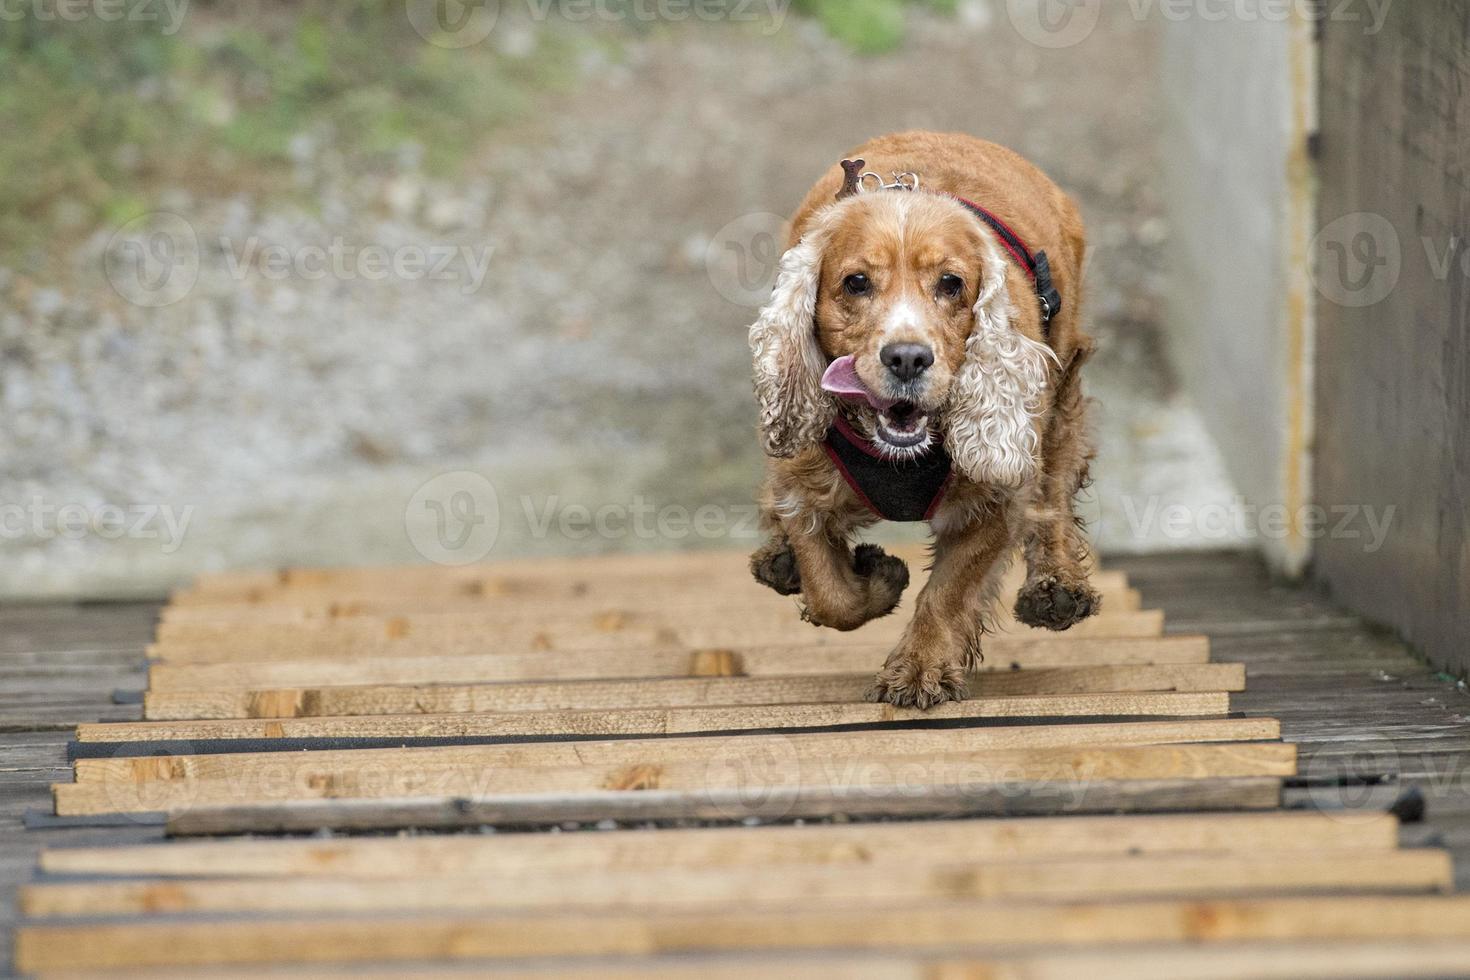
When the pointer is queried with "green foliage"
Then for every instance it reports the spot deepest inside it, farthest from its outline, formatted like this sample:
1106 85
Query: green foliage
867 26
67 108
98 115
111 110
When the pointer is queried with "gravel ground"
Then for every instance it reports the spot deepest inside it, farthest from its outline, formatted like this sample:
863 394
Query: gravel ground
581 343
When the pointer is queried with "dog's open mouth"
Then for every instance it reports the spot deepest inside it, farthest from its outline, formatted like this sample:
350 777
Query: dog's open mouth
902 425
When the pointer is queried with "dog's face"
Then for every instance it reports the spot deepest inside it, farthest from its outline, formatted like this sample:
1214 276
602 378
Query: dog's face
899 278
896 302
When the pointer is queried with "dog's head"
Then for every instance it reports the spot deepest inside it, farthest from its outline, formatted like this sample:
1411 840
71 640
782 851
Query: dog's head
897 302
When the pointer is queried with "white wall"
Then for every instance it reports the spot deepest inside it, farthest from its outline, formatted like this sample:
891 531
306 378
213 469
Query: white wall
1239 98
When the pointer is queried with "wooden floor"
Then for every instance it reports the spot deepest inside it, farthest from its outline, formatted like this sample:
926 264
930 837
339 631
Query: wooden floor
1373 728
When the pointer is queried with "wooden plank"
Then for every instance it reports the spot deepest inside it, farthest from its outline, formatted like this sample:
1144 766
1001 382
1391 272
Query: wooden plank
896 844
577 579
1009 799
607 567
643 591
978 799
339 609
1217 876
563 625
617 633
640 590
272 766
840 657
688 601
610 564
207 621
1268 960
1271 960
652 721
1279 634
668 692
737 770
585 570
929 926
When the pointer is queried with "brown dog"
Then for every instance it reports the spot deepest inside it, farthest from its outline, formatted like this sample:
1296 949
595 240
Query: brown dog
919 360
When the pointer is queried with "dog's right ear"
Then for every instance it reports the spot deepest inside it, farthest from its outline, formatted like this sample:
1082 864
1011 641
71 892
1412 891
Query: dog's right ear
795 412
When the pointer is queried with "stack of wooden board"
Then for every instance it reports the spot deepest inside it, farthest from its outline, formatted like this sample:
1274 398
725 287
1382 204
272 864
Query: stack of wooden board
683 779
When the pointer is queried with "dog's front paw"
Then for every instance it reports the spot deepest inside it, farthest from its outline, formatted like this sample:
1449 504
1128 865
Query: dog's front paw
887 577
1049 603
776 568
912 680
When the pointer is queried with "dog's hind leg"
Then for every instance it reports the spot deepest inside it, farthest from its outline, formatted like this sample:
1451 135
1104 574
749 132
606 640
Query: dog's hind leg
1057 594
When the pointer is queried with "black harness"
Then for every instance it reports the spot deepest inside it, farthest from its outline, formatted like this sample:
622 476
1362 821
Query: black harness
895 490
912 490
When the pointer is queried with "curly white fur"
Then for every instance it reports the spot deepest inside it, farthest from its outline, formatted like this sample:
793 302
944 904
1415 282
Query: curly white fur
999 392
795 412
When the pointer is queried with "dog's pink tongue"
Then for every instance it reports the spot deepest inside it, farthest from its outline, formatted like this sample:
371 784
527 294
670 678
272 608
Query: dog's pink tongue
842 380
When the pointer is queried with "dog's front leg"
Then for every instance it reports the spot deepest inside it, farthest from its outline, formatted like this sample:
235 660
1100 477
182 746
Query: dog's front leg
1057 594
843 588
942 642
808 524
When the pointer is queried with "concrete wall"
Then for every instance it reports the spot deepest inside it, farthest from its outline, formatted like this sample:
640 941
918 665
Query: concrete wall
1393 360
1238 93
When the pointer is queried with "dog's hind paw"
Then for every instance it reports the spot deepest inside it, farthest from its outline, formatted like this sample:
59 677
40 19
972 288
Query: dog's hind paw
776 569
1048 603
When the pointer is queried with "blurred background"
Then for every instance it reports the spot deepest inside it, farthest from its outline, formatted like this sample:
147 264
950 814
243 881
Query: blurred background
330 282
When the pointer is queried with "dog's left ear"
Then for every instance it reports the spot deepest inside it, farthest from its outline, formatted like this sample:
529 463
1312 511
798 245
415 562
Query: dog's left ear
795 412
992 433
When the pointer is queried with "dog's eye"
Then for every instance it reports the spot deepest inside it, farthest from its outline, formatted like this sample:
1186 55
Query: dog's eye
951 285
857 284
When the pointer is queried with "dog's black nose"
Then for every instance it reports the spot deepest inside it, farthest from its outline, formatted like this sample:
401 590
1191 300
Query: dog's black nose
906 361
